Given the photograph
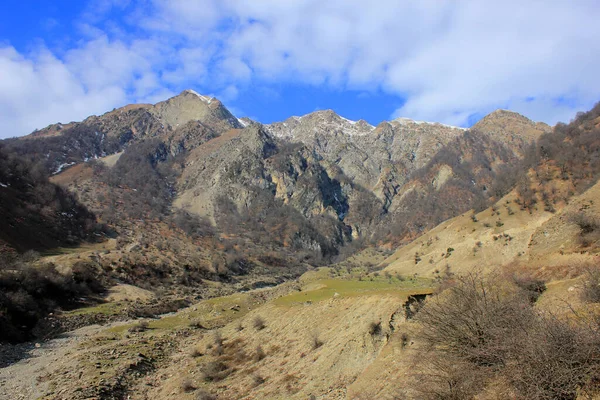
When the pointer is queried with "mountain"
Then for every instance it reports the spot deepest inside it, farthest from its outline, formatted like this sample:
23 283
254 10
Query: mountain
190 192
304 250
343 180
511 127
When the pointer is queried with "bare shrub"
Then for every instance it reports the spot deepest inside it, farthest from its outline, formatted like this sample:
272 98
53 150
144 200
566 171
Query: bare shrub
259 323
533 287
589 227
196 324
141 326
205 395
557 360
375 328
404 339
187 385
486 330
258 380
196 353
472 319
217 346
215 371
590 292
259 354
28 292
316 341
441 377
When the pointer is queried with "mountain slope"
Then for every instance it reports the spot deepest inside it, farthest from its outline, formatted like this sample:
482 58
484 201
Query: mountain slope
36 214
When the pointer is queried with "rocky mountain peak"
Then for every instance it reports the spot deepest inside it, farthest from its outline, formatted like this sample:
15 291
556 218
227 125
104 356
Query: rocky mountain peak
191 106
322 122
507 125
190 92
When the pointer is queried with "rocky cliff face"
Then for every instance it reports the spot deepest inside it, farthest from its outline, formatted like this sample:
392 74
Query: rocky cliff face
363 152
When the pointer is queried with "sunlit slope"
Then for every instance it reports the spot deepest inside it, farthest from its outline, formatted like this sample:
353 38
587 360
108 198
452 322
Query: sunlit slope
501 235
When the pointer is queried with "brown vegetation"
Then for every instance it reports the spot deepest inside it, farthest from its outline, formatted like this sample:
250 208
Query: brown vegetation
36 214
482 331
28 292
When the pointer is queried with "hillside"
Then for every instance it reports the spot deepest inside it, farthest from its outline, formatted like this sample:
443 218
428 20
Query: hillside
36 214
548 243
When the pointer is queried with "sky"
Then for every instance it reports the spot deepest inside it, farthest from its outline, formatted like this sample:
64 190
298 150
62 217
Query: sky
444 61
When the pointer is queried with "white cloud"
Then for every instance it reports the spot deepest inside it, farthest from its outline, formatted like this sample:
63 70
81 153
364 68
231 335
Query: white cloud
450 60
447 60
41 89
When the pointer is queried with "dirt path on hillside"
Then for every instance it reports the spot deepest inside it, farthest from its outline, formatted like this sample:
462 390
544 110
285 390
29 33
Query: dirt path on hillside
24 367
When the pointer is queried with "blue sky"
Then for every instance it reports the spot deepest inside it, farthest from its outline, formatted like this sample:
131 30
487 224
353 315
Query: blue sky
450 62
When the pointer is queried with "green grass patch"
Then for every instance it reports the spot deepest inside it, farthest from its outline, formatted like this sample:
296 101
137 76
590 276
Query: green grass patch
314 275
82 248
327 288
104 309
59 251
210 313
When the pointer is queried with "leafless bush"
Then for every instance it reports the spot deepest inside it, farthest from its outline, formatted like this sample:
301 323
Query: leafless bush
443 377
258 380
259 323
187 385
217 346
589 227
591 286
259 354
482 330
139 327
215 371
204 395
196 324
533 287
375 328
316 341
404 339
472 319
196 353
557 360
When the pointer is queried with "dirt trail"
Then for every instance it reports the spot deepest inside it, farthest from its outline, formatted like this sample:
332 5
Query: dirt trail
23 367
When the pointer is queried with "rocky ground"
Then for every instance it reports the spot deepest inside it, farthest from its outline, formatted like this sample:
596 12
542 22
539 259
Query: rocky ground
25 367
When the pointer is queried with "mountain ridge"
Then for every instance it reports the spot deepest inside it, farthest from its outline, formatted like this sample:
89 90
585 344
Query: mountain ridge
208 100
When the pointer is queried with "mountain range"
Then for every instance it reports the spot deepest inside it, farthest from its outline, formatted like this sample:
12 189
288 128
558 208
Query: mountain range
194 254
351 179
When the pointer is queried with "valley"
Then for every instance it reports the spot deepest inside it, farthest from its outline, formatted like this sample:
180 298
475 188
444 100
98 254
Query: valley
175 251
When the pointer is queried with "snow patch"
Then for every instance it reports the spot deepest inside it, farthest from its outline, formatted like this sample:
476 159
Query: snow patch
407 121
348 120
62 166
244 124
206 99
